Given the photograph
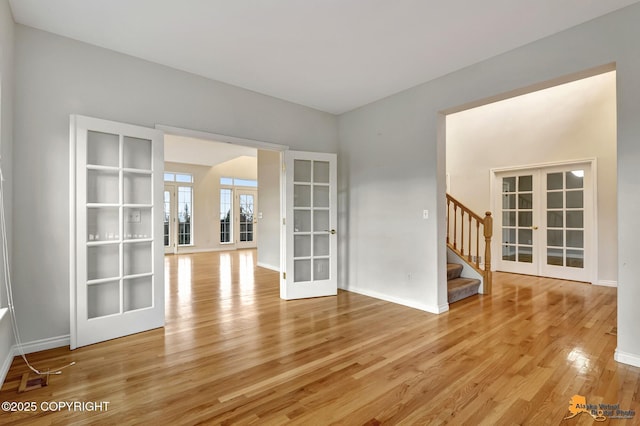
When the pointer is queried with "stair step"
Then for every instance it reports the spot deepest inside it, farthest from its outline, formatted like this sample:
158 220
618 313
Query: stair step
453 271
460 288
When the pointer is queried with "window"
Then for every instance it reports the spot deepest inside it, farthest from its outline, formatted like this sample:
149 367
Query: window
227 181
178 177
225 214
185 213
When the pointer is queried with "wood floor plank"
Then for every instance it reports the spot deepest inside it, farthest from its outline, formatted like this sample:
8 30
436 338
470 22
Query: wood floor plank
233 352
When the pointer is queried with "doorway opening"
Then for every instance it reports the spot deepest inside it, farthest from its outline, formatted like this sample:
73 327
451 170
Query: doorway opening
572 121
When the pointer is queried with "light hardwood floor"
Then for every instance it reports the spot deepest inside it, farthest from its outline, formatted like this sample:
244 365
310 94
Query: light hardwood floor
232 352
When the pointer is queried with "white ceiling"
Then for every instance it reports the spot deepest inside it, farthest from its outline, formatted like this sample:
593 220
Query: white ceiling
333 55
182 149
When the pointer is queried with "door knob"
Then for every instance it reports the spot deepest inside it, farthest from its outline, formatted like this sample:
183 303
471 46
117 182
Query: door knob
534 227
332 232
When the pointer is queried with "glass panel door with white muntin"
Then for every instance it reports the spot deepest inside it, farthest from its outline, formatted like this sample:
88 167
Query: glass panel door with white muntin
116 288
311 211
565 216
545 221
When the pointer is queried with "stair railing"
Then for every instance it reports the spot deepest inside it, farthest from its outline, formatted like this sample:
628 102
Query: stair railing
465 240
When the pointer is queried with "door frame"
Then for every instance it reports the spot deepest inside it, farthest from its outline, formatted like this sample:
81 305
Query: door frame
592 266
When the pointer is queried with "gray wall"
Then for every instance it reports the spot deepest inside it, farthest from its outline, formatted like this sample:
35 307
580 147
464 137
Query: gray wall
6 144
392 156
56 77
269 206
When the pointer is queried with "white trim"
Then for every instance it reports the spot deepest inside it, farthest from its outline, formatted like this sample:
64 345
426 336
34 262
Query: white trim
179 131
606 283
432 309
627 358
542 165
268 266
6 365
72 228
190 250
42 344
31 347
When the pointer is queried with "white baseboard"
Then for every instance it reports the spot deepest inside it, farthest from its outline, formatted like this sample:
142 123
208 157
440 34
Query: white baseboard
267 266
627 358
185 250
6 365
43 344
6 344
607 283
433 309
30 347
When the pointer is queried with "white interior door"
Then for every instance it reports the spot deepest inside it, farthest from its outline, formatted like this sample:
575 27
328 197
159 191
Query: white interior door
310 206
546 221
117 282
246 206
568 220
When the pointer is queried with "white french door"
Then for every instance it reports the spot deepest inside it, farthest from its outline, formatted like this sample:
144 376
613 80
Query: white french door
246 205
117 282
545 224
309 262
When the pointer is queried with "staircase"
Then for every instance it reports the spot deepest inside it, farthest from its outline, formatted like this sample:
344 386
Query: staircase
466 231
459 287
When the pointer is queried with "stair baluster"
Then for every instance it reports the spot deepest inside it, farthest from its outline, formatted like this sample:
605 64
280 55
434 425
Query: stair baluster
457 240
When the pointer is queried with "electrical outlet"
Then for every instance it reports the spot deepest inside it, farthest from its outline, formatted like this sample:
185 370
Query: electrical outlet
425 214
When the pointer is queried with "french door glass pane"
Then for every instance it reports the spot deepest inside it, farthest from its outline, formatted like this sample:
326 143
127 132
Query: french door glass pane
555 238
137 153
525 218
137 293
575 199
508 218
575 258
103 299
508 253
103 149
525 254
103 262
555 256
554 181
575 179
321 171
302 171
